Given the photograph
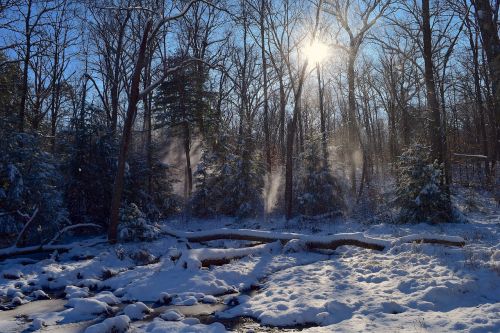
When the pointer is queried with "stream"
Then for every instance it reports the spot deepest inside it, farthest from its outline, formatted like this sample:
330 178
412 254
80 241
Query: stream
17 319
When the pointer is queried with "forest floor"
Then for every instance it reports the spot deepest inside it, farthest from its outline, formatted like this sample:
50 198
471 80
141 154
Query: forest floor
146 287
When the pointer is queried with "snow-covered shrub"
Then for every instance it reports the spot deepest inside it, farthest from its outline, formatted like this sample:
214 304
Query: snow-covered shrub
419 190
228 184
134 225
316 190
30 180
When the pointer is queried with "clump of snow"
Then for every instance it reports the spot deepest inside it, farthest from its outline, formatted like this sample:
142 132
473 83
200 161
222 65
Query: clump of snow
164 298
172 315
137 311
209 299
295 245
17 301
186 300
39 295
82 308
76 292
37 324
92 284
107 297
188 326
118 324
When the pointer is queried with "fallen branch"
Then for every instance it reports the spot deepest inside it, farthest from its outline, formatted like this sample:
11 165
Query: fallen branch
16 251
20 238
71 227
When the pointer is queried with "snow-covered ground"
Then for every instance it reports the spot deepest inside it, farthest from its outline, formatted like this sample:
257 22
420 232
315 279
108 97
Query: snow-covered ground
145 287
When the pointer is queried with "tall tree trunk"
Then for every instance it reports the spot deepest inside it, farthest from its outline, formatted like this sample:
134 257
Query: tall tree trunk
352 126
488 27
133 99
324 143
26 63
264 86
436 127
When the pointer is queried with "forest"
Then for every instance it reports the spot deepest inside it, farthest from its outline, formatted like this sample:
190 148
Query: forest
249 165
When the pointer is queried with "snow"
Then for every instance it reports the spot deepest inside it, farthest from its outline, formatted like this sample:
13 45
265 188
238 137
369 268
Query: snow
75 292
107 297
186 326
118 324
86 307
137 311
172 315
408 286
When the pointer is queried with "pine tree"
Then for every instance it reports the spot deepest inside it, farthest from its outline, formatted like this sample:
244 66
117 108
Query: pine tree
317 190
420 193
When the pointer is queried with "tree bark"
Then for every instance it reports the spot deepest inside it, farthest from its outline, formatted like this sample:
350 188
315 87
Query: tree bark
134 97
264 87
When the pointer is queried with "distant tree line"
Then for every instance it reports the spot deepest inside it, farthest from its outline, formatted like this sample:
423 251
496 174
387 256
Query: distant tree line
95 96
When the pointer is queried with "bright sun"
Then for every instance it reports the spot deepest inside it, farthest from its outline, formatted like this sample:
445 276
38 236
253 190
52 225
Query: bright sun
316 52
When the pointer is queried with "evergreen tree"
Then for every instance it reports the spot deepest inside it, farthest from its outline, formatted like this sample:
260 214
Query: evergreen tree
420 193
30 181
317 191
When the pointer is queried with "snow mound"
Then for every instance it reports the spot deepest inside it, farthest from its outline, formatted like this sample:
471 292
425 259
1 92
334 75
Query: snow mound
107 297
76 292
39 295
86 306
158 325
172 315
118 324
37 324
137 311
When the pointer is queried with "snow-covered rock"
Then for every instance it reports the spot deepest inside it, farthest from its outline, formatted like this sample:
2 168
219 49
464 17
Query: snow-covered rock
172 315
107 297
40 294
37 324
76 292
118 324
137 311
87 306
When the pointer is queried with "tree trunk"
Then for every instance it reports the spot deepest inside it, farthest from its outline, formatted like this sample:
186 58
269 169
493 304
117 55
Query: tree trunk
491 44
324 143
134 97
436 128
264 86
352 123
26 62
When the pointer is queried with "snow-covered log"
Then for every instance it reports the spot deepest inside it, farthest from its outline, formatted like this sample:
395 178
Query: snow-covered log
431 239
197 258
320 242
314 242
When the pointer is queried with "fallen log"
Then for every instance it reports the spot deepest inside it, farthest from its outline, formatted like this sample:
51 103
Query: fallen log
431 239
197 258
309 242
322 242
16 251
